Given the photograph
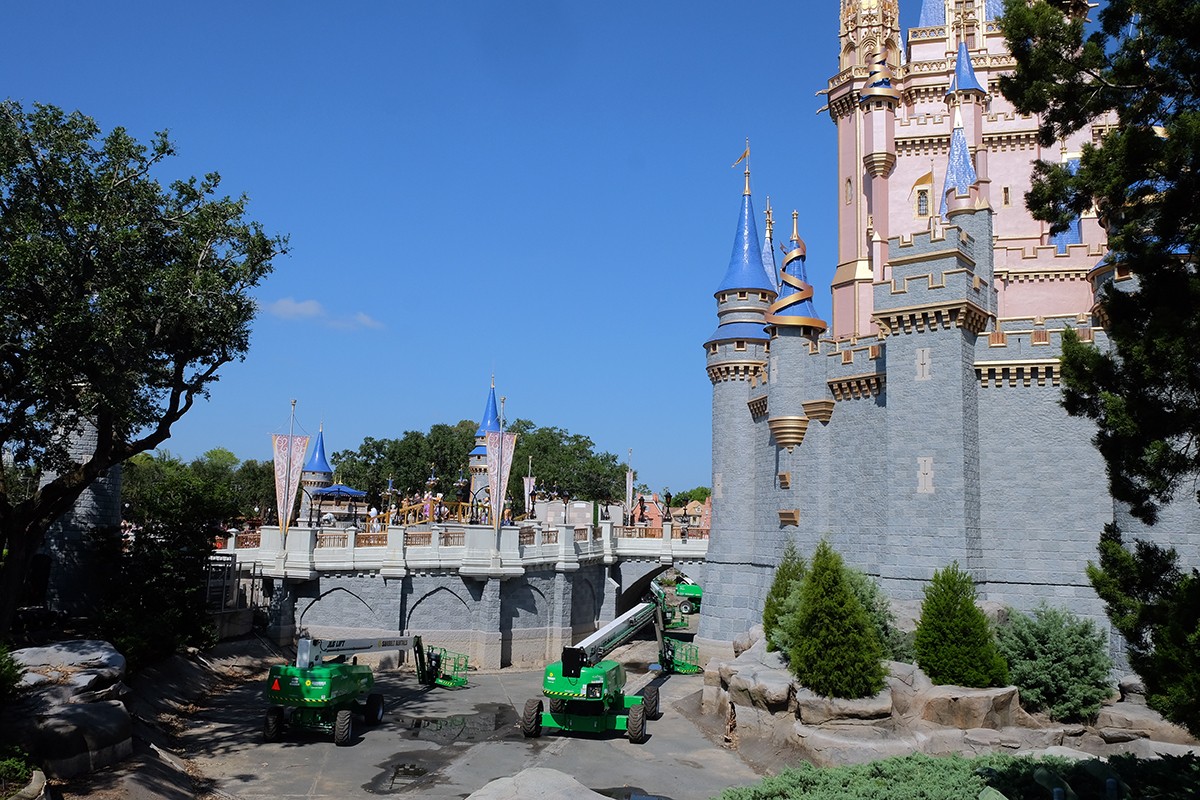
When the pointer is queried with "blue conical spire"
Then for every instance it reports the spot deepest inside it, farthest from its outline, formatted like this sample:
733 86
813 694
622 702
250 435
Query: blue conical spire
933 12
963 79
794 307
960 171
491 419
746 267
317 461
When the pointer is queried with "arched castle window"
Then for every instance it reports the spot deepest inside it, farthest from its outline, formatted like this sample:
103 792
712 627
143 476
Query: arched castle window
922 202
849 192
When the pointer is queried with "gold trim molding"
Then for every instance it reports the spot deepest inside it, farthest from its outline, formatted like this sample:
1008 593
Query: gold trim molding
788 431
999 374
820 410
758 406
961 314
789 516
852 387
735 371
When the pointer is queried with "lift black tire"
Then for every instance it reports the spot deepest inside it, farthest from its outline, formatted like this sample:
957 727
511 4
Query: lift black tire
374 711
273 724
636 727
343 727
650 701
557 705
531 720
686 607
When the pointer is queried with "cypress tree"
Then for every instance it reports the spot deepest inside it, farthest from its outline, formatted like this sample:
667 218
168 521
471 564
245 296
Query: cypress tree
954 642
788 575
834 650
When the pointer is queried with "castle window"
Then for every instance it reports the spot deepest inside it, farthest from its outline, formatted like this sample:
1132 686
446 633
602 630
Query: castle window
743 295
923 361
1007 197
849 191
739 345
925 475
922 202
712 348
762 296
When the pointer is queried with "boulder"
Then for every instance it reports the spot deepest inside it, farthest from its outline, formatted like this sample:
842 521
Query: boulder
1132 689
535 783
748 639
1143 721
828 746
97 657
964 708
76 739
813 709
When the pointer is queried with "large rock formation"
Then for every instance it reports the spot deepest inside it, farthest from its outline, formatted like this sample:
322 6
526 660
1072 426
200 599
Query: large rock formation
760 698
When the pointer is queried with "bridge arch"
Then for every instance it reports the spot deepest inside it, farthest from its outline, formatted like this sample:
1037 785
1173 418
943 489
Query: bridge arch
636 577
434 609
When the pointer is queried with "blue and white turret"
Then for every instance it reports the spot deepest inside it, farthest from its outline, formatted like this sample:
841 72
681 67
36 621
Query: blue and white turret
317 474
477 462
737 358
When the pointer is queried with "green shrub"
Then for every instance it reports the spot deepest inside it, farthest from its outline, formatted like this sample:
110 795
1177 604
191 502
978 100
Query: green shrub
954 642
1058 661
833 647
788 576
15 770
896 645
921 777
10 674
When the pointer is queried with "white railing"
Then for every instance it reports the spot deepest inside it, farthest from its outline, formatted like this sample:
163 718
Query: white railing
469 549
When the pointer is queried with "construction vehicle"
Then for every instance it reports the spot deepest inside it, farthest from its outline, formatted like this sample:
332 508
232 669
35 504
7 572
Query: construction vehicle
690 594
585 692
322 692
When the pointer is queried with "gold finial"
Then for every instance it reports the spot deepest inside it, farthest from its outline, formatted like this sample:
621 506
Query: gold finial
795 225
493 380
746 191
770 217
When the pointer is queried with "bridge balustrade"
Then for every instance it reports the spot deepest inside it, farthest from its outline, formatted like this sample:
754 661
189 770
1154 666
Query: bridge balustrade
472 550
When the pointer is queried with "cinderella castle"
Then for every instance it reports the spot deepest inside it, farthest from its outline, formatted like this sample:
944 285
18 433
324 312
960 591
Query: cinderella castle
922 423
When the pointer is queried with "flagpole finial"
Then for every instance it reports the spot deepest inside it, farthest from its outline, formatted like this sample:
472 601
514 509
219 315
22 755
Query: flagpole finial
746 191
795 225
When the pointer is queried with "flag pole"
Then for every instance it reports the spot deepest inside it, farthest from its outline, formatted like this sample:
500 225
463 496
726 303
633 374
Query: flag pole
287 477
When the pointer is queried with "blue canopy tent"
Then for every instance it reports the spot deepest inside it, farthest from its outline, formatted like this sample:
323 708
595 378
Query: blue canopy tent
338 492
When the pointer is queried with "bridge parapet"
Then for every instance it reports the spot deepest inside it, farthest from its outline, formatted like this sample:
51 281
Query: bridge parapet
472 550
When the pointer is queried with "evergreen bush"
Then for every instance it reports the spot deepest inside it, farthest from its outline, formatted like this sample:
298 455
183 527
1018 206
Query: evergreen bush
10 674
834 650
954 642
896 645
788 576
1058 661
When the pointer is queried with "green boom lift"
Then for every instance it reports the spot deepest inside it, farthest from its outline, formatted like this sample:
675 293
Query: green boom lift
322 692
587 692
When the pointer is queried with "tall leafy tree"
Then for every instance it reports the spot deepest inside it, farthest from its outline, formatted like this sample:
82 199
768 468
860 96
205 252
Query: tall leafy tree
120 301
1139 65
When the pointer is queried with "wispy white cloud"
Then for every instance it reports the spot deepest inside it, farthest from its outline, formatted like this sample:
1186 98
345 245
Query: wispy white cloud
292 309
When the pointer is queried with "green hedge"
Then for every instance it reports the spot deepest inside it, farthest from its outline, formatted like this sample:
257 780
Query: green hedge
954 642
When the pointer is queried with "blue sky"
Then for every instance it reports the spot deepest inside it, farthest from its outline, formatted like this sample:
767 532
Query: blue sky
536 189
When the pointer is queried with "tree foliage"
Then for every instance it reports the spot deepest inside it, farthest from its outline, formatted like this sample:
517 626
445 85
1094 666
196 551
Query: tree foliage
788 577
954 642
1139 65
1156 606
1059 662
699 494
120 301
834 650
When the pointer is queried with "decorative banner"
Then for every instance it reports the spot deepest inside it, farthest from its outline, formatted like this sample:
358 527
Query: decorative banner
289 463
529 483
500 448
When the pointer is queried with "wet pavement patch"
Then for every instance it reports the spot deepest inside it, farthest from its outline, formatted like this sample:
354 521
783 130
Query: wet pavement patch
487 719
630 793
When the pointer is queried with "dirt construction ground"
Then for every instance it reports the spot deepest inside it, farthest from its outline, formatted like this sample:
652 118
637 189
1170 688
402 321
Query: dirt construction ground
432 743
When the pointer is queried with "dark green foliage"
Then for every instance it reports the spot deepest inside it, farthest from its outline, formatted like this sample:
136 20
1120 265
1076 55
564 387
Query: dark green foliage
179 509
120 301
833 649
15 770
921 777
1156 607
954 643
788 576
10 674
897 645
1058 661
699 494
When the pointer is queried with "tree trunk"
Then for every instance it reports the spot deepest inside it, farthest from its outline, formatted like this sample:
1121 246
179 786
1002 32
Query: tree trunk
23 544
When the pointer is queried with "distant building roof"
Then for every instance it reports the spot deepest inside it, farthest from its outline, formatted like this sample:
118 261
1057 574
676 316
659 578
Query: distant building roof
317 461
491 419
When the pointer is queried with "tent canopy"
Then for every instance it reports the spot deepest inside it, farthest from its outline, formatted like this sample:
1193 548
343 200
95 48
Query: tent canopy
338 490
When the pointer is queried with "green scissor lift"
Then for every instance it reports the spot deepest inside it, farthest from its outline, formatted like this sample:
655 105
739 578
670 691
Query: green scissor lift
322 692
585 692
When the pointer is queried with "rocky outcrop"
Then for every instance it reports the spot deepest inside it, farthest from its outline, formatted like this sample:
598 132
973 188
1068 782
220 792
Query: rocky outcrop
70 714
911 715
535 783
